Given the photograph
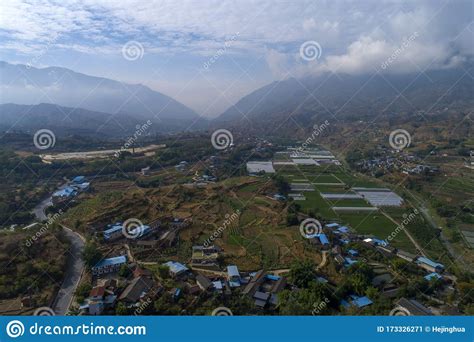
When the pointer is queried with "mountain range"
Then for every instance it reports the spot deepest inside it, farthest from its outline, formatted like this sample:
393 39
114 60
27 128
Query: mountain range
33 98
90 96
356 97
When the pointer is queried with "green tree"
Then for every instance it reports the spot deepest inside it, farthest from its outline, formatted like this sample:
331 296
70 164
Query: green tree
302 273
91 254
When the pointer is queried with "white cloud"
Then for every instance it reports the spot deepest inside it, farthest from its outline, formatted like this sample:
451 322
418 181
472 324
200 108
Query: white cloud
356 36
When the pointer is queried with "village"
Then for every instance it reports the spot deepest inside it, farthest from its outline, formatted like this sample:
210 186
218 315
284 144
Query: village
121 282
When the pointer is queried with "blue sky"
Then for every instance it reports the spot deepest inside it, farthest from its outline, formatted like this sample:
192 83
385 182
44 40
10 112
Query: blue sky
244 44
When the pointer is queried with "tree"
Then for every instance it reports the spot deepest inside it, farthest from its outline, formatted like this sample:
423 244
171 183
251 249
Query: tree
317 299
302 273
91 255
163 271
124 271
121 309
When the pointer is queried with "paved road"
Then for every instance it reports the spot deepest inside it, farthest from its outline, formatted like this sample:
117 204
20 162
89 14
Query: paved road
38 211
74 269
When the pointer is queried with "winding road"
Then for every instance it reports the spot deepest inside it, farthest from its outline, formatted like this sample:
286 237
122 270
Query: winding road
74 267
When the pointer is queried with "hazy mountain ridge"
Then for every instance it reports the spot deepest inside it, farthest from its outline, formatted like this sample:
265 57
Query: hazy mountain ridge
64 120
19 84
349 96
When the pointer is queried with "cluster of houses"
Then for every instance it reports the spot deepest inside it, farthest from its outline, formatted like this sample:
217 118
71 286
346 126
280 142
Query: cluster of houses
344 236
420 170
72 189
107 291
403 162
341 235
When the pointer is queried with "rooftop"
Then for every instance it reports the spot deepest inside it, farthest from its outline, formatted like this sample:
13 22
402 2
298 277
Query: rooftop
233 271
176 267
424 260
112 261
259 166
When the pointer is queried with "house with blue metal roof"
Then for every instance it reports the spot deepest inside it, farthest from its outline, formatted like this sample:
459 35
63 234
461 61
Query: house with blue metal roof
79 179
430 265
356 301
433 275
323 239
349 262
233 276
109 265
176 268
139 232
360 302
353 252
343 229
113 231
64 194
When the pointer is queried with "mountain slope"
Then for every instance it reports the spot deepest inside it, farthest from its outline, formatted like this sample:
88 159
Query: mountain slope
64 120
354 97
30 86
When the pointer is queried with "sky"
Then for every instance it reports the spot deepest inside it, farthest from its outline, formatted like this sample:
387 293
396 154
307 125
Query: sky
208 54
